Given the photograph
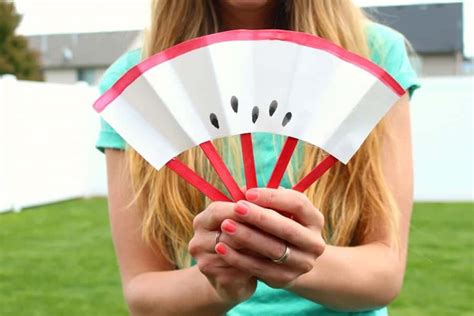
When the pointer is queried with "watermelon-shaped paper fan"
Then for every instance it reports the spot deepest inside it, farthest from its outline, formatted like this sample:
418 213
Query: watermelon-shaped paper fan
244 81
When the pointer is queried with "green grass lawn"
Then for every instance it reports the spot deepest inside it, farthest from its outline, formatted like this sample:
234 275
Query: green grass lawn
58 260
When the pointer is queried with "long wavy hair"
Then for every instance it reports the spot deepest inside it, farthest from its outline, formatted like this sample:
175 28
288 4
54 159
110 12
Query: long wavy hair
354 198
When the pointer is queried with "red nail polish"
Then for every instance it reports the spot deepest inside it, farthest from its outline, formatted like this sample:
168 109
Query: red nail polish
241 208
251 194
220 249
229 227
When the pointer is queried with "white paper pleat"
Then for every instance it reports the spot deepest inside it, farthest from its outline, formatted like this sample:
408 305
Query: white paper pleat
334 104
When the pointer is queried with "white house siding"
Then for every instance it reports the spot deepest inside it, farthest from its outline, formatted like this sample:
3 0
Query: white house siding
70 76
65 76
441 65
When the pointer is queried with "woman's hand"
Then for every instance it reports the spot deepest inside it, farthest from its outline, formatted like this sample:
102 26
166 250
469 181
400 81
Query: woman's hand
233 285
259 226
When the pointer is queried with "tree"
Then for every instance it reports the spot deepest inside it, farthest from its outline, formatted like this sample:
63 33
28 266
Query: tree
16 57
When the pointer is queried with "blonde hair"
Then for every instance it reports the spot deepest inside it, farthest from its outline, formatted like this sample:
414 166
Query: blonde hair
354 198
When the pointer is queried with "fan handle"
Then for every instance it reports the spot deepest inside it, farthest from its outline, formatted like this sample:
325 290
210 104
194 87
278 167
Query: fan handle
218 164
315 174
282 162
247 151
249 160
196 181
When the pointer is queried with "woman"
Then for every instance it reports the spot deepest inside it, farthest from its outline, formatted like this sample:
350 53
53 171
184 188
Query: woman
344 252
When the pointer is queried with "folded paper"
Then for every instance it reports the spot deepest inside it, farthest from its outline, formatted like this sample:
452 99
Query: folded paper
245 81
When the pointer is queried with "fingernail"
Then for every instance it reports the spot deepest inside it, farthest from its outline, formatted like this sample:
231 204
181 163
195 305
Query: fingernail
220 249
241 208
251 194
229 227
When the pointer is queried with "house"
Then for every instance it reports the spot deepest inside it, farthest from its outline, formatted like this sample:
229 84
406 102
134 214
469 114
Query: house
68 58
435 31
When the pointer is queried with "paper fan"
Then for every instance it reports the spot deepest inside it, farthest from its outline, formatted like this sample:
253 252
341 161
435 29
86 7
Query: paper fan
244 81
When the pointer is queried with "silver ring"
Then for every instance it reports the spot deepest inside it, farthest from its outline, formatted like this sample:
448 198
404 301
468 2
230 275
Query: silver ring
284 256
218 235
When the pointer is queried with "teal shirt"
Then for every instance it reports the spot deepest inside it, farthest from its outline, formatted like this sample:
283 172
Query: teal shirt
388 50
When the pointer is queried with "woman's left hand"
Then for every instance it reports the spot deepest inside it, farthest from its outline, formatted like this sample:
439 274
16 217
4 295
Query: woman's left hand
260 227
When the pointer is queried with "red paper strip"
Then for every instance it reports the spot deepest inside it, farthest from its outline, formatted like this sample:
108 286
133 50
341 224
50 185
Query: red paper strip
282 163
315 174
303 39
249 161
221 169
196 181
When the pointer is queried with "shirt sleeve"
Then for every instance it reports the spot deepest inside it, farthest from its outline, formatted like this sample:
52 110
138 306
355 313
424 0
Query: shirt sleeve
108 137
388 49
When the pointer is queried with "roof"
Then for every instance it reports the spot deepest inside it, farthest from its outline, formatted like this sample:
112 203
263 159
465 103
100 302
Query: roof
430 28
82 50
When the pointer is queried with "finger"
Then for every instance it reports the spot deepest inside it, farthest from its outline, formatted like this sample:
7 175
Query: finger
288 201
258 241
232 242
211 264
212 217
205 242
280 226
271 273
202 242
264 244
225 238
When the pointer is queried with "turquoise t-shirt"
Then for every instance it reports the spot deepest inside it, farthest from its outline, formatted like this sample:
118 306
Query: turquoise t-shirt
388 50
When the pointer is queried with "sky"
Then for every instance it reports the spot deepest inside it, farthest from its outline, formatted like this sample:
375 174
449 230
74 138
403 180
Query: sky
75 16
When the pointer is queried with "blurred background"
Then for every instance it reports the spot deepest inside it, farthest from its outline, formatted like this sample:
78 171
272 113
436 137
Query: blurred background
56 256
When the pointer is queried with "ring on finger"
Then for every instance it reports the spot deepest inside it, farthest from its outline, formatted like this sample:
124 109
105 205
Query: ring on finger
218 236
284 257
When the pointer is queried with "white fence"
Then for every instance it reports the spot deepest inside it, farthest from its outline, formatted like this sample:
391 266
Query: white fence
47 135
442 120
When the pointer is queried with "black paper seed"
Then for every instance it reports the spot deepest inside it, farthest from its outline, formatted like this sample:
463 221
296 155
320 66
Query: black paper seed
273 107
234 103
214 120
286 119
255 114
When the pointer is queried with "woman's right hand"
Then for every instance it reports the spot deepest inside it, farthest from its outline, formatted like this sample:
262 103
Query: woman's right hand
232 285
